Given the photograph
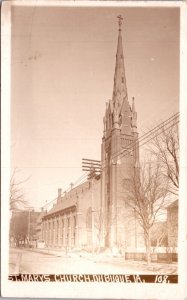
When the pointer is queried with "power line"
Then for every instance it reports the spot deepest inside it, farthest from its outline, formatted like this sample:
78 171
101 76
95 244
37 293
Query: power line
154 135
81 178
48 203
159 126
150 132
144 137
147 139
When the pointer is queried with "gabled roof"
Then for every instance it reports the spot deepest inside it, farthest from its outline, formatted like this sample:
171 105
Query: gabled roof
65 203
69 199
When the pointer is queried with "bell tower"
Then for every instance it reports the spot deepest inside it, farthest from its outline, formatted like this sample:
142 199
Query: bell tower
119 154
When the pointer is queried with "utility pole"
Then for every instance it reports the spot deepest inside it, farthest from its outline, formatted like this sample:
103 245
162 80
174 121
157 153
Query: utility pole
135 231
92 214
29 224
29 228
94 169
115 203
116 206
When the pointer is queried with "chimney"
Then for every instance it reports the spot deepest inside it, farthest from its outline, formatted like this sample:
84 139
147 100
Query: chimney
59 193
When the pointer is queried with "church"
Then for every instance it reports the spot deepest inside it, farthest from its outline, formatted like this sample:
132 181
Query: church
95 214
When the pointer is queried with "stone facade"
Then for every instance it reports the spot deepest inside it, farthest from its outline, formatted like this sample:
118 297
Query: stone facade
39 232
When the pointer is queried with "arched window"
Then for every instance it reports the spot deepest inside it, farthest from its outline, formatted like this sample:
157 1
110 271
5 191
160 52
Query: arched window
89 218
56 233
74 230
62 232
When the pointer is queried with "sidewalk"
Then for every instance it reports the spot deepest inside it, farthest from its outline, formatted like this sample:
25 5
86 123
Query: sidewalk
162 268
59 252
108 258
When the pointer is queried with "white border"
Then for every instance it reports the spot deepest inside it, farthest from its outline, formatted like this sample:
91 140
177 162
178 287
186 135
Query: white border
92 290
84 3
5 135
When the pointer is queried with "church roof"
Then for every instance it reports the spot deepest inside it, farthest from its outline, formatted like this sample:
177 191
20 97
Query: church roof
66 203
69 199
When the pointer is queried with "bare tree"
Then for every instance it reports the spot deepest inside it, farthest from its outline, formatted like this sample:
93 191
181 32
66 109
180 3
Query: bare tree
159 236
17 200
147 189
165 147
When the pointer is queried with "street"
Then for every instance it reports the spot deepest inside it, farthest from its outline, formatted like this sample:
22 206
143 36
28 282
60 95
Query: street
35 262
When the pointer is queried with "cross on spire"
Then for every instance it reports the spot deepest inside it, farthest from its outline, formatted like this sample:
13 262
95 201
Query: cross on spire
120 90
120 21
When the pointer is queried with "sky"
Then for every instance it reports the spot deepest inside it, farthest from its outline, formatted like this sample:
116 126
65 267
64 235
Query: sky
62 70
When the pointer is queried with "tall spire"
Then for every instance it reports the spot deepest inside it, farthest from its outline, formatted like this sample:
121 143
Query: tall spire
120 89
134 117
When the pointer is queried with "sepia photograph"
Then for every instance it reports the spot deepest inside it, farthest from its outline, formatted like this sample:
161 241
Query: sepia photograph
93 155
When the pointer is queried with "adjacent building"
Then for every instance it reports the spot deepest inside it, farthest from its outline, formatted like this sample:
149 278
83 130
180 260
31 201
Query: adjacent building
24 228
172 225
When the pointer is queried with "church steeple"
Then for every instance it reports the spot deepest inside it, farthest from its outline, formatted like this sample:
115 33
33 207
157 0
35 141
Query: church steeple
120 154
120 89
134 117
119 113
